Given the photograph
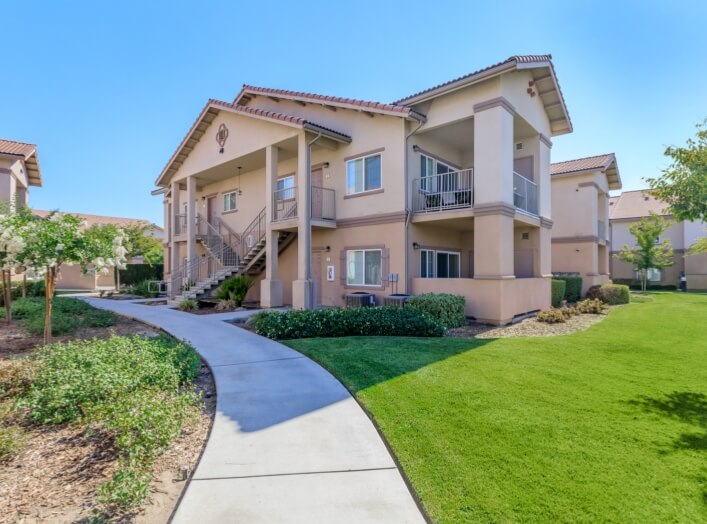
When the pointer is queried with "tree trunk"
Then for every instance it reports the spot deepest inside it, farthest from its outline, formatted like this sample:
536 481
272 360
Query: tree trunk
49 284
644 279
7 295
24 284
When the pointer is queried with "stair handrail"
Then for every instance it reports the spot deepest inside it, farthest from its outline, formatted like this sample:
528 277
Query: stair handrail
233 237
256 231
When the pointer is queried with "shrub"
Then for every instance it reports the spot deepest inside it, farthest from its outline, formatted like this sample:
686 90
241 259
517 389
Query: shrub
636 284
569 312
337 322
447 309
69 314
558 292
188 305
11 439
592 306
143 289
614 294
573 287
136 273
235 288
16 377
551 316
226 305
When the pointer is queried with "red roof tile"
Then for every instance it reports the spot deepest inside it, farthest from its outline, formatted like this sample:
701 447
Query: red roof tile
636 204
582 164
28 153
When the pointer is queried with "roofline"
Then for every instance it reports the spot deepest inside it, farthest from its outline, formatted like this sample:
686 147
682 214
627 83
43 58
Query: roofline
344 103
31 181
577 172
260 114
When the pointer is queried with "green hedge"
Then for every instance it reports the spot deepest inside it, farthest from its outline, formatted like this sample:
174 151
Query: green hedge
68 315
636 284
337 322
136 273
447 309
558 292
612 294
573 287
34 288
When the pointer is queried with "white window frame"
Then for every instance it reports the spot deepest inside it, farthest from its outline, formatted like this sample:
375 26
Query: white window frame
654 275
284 180
435 252
226 196
431 182
363 160
349 281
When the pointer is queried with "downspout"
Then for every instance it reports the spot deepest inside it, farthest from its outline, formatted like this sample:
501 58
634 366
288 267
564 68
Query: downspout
408 211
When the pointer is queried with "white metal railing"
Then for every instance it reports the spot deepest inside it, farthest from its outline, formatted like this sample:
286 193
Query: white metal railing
284 204
453 190
323 203
525 194
601 229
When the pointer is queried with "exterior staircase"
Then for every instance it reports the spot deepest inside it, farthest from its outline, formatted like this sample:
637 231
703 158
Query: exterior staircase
227 254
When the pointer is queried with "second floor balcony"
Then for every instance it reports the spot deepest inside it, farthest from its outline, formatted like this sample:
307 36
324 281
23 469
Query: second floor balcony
285 204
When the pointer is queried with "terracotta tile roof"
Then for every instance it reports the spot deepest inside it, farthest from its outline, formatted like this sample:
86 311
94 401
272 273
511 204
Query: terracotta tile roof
324 99
636 204
100 219
208 114
606 163
28 153
553 99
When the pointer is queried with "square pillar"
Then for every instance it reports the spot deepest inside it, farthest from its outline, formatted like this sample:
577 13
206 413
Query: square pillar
493 247
191 219
271 286
175 258
302 288
542 242
543 176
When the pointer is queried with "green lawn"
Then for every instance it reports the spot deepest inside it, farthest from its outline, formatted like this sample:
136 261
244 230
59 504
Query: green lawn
607 425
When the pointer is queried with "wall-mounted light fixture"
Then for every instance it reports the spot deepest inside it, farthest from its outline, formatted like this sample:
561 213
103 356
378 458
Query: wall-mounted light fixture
415 245
416 148
325 165
327 249
239 181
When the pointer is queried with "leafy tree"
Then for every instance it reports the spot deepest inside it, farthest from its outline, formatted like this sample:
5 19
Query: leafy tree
683 185
59 239
11 245
700 246
647 253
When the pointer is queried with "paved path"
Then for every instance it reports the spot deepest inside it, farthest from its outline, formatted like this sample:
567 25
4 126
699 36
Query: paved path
289 444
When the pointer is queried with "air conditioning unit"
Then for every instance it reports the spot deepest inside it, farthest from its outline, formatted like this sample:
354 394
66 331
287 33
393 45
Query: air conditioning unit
360 299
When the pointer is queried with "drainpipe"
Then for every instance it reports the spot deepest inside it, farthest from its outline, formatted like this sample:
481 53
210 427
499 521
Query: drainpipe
408 211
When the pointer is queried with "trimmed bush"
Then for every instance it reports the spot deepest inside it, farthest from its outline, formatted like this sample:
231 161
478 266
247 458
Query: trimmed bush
447 309
558 292
612 294
573 287
551 316
337 322
636 284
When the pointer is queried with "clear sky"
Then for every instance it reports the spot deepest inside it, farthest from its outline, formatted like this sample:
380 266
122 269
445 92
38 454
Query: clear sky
108 89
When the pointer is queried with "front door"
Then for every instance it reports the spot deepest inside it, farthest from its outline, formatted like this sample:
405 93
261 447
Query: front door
211 213
317 196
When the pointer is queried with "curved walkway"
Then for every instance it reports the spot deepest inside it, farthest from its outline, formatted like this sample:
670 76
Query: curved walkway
289 444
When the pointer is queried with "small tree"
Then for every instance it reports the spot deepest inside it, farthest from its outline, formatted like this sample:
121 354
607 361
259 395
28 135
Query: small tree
11 246
648 253
58 239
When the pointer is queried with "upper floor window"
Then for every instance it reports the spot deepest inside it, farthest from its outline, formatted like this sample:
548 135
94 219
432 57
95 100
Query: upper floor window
363 174
229 201
364 267
286 187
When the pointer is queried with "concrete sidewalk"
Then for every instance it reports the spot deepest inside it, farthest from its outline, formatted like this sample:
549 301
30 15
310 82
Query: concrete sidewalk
289 444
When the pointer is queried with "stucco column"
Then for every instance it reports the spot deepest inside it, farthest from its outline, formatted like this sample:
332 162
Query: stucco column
174 228
493 190
543 176
271 285
302 292
191 220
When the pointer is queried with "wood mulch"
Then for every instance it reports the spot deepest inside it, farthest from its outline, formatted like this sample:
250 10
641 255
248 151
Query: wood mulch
55 476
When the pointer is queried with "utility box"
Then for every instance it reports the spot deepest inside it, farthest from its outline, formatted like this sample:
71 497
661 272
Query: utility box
360 299
395 300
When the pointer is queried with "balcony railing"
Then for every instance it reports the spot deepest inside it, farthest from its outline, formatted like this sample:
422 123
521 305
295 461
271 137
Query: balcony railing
180 225
601 230
323 203
525 194
445 191
284 204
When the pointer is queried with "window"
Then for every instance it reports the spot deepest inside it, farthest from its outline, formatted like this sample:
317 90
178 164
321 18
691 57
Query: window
653 275
363 267
363 174
286 182
432 173
439 264
229 201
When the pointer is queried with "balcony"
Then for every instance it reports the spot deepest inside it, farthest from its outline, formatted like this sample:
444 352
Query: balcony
525 194
601 230
323 204
180 225
442 192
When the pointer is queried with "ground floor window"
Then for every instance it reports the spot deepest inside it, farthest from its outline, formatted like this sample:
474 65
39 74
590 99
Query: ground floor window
439 264
363 267
652 275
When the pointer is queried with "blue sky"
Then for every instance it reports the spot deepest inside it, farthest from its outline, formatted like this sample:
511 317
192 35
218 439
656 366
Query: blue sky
108 89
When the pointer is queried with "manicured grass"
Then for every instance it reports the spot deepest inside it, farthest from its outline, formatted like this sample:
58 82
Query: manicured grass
607 425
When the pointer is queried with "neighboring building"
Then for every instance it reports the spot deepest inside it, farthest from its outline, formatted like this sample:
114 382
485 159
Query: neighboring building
630 207
318 197
72 277
580 210
19 170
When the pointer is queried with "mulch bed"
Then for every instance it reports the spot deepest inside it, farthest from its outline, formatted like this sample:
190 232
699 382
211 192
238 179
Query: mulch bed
55 476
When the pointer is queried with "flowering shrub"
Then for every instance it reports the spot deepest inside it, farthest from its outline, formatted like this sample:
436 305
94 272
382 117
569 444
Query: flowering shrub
337 322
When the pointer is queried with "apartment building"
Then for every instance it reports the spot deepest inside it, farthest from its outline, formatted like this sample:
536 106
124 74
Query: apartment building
580 204
19 171
317 197
630 207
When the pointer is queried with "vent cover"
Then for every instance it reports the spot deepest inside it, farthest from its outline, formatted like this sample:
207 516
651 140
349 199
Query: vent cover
525 236
519 146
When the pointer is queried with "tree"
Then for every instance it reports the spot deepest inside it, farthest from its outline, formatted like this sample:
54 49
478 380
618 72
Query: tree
59 239
683 185
648 253
699 246
11 246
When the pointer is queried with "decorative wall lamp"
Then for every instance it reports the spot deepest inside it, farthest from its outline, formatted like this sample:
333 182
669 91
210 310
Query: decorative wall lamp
415 245
327 249
416 148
